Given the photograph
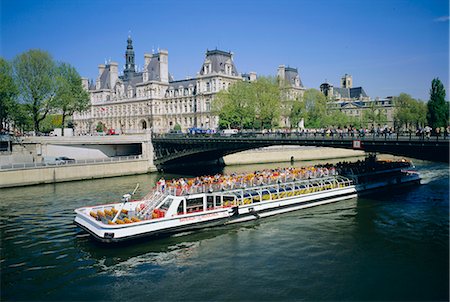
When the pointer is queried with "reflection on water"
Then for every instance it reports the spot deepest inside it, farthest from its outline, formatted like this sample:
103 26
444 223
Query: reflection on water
390 246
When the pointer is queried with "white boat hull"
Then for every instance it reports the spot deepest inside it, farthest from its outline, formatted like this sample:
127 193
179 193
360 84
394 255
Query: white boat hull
225 215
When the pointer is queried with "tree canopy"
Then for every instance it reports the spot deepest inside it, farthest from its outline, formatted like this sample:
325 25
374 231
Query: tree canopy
249 105
33 86
438 108
409 113
35 76
70 96
8 94
373 115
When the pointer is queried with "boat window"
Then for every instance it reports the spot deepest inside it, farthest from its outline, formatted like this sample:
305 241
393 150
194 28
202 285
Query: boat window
180 209
165 206
218 202
194 204
228 200
209 202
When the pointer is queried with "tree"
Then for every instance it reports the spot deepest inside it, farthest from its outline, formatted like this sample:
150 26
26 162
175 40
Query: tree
267 102
337 118
373 115
100 127
35 76
409 113
8 94
71 96
298 112
316 108
438 108
235 106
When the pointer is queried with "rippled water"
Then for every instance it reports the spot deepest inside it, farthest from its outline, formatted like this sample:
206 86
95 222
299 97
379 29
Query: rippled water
390 246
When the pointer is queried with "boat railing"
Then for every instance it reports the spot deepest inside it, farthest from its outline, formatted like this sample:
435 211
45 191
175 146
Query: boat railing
151 200
289 189
239 183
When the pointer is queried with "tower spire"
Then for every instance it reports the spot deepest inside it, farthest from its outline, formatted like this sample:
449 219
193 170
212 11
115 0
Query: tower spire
129 58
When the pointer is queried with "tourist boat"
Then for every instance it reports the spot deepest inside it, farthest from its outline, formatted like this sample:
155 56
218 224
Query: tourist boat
175 209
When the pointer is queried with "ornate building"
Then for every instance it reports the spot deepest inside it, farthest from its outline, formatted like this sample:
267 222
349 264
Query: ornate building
151 99
292 90
353 101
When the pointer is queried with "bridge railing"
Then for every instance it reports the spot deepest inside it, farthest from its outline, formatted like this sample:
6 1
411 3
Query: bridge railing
400 136
20 166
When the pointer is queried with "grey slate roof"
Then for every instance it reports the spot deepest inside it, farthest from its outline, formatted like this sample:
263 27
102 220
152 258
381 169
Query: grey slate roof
352 93
356 104
105 78
153 68
183 83
132 80
290 74
356 92
218 59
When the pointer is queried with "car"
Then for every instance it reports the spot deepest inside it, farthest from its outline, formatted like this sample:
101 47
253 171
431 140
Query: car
175 132
64 160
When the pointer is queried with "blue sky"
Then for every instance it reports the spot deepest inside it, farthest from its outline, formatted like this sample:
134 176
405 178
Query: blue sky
388 46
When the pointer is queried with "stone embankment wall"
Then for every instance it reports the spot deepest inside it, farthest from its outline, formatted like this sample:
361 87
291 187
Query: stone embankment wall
284 154
41 175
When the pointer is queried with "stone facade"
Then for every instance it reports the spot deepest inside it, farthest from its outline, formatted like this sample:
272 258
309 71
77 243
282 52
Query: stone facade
292 90
136 102
353 101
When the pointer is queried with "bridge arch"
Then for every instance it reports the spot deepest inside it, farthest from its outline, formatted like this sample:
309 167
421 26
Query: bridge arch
174 150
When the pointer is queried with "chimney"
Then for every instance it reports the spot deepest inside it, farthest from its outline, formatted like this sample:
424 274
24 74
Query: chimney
164 65
85 83
113 74
281 72
147 58
101 69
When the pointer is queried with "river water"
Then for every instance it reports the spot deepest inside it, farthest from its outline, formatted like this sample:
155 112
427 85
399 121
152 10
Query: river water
389 246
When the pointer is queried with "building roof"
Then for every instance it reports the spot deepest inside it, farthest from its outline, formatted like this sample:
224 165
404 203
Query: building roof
218 59
153 68
290 75
183 83
350 93
356 92
105 78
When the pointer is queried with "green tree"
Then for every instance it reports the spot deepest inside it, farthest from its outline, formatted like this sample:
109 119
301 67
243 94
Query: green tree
409 113
177 127
438 108
298 112
100 127
267 101
35 77
373 115
71 96
316 108
337 118
51 122
235 106
8 95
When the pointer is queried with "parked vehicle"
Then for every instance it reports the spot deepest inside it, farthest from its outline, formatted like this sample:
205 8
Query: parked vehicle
61 160
65 160
229 132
